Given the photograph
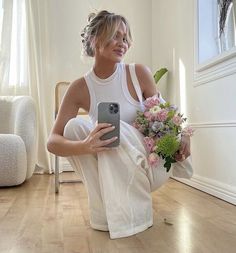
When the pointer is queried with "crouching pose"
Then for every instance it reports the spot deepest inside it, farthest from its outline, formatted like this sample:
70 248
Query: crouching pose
118 180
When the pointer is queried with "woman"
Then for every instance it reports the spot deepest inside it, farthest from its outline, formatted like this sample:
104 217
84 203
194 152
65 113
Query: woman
118 180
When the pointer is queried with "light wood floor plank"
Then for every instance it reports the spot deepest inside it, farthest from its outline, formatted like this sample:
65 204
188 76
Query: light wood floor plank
35 220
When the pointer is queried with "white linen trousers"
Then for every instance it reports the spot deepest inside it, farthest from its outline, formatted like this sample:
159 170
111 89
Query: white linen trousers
119 181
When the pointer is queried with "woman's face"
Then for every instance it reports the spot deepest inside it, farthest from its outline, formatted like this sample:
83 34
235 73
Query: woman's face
117 47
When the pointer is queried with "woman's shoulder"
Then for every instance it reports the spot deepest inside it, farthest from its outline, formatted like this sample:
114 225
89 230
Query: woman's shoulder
140 69
79 83
142 72
145 79
77 92
77 88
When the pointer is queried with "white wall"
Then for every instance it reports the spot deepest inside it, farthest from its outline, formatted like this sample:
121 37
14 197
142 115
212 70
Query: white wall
67 18
209 105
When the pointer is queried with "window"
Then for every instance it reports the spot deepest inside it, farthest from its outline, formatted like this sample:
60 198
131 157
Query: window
211 42
13 44
215 41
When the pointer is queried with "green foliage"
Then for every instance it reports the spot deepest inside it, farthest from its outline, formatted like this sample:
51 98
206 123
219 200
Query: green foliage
159 73
168 161
168 145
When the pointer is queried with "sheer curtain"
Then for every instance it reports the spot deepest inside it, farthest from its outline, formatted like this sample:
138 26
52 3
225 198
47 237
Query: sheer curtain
13 77
24 61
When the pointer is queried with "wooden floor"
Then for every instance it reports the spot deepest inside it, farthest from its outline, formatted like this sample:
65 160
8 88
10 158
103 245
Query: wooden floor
33 219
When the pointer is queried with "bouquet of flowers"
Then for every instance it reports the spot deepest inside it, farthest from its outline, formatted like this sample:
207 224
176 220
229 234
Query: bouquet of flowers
162 127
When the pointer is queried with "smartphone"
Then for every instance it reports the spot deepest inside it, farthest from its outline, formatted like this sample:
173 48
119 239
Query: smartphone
109 112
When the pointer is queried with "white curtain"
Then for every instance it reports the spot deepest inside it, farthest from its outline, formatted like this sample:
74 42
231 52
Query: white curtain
13 77
24 63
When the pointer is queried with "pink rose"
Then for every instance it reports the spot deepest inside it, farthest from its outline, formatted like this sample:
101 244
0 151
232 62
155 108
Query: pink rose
162 115
149 142
187 131
152 101
177 120
153 159
148 115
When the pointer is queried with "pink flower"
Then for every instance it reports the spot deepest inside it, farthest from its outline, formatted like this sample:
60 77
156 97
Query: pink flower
187 131
152 101
149 142
162 115
177 120
153 159
148 115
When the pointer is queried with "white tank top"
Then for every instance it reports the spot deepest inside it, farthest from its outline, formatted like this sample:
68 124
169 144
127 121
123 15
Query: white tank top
114 89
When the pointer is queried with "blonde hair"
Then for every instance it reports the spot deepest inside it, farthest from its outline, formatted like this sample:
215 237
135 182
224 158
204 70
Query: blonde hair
101 28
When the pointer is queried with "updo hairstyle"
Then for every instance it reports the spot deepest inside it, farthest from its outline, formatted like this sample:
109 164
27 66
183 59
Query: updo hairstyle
101 28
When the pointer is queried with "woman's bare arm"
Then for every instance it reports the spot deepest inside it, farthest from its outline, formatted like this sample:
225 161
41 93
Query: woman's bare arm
146 81
58 144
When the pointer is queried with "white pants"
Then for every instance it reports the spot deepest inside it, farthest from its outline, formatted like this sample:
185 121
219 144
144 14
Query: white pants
119 181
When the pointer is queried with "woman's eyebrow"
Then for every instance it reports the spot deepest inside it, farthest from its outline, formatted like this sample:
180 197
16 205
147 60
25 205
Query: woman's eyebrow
119 32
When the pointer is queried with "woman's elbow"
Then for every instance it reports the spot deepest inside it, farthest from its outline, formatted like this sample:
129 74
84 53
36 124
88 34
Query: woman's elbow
51 145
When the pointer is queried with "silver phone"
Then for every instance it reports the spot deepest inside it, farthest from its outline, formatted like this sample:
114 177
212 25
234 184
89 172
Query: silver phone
109 112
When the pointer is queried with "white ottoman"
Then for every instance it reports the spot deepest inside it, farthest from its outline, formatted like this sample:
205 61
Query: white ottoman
13 166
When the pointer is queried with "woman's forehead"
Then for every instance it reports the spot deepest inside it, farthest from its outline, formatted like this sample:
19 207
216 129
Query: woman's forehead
122 28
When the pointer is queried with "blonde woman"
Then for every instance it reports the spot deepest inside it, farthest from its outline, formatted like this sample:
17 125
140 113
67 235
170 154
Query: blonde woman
118 180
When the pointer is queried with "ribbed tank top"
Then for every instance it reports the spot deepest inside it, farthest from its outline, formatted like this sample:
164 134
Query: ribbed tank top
114 89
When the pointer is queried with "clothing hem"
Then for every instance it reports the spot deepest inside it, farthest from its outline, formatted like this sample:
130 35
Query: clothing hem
132 231
99 227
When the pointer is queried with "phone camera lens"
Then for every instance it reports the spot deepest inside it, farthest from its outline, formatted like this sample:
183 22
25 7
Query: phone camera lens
113 108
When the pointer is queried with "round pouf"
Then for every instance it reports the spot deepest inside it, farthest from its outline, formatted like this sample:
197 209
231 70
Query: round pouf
13 162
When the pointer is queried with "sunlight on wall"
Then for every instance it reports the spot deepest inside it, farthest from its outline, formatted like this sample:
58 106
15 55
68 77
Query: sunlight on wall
182 88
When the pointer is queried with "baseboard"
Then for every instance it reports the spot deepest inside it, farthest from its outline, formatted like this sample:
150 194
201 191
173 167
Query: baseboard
213 187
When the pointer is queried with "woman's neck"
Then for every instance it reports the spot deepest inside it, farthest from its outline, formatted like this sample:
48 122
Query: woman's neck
104 69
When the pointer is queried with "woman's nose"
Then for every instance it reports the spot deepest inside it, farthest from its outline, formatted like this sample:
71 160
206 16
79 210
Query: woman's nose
121 43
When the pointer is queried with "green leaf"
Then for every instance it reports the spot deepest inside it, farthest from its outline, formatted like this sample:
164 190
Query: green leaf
159 73
171 114
167 165
168 161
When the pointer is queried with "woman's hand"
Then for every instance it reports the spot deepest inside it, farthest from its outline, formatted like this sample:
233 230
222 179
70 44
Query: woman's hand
184 150
93 143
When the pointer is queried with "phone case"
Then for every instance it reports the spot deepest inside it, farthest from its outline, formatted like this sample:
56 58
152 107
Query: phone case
109 112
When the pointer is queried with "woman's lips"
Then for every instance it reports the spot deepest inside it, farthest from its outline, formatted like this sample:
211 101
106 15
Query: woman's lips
119 52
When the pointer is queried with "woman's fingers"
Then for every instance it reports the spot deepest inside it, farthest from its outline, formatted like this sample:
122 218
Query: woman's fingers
103 131
94 139
184 150
178 157
101 145
99 127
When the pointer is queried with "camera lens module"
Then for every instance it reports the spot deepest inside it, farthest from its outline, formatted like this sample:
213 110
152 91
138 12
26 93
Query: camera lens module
113 108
